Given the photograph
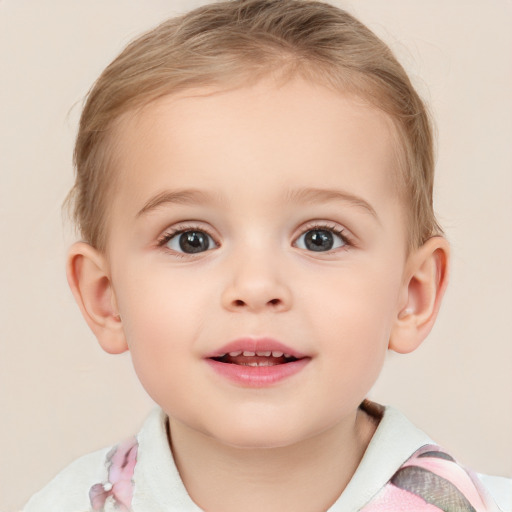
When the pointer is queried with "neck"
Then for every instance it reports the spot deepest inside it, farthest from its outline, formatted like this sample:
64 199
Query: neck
306 476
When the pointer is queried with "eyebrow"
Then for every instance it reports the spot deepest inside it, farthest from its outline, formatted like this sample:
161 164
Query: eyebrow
318 195
185 196
298 195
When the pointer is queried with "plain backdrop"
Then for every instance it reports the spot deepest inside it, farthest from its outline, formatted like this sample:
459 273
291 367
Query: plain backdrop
61 396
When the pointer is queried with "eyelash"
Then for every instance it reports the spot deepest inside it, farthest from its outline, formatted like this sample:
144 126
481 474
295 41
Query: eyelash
339 231
183 228
333 228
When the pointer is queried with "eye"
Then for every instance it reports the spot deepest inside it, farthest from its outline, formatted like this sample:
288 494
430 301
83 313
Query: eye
190 241
321 239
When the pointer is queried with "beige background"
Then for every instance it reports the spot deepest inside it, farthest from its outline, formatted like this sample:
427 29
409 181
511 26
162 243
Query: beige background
60 396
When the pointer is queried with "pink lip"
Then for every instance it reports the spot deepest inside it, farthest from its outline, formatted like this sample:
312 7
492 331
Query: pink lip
257 376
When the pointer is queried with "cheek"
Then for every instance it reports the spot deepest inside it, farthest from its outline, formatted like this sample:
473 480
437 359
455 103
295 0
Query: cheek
356 314
361 299
163 317
156 298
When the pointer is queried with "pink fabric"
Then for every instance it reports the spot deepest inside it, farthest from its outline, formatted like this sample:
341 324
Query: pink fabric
431 481
121 461
393 499
452 472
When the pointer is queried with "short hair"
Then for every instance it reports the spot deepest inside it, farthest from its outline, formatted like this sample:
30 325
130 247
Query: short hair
230 43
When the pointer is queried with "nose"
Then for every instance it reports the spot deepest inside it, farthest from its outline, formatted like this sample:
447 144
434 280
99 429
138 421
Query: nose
256 285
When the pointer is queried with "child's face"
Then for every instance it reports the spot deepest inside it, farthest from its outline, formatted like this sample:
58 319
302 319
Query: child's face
259 214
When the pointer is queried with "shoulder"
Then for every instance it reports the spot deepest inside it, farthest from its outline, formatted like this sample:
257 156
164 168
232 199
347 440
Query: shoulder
69 490
431 480
409 471
500 489
95 480
104 479
136 474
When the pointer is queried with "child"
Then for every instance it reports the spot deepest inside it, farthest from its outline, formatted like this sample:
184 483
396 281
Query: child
254 192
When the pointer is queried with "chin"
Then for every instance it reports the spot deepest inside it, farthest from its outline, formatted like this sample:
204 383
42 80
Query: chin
261 436
260 443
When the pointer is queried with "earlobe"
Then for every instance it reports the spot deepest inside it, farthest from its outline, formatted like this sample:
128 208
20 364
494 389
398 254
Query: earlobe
425 281
89 280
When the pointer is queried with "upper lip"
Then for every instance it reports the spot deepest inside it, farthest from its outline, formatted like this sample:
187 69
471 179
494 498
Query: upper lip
250 344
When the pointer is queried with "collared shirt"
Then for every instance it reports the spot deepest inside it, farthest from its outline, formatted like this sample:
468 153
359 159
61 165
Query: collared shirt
402 469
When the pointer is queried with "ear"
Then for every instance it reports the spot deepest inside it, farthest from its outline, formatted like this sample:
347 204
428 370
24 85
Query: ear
89 280
423 287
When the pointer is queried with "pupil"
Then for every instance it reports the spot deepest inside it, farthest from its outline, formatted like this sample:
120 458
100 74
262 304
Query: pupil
319 240
194 241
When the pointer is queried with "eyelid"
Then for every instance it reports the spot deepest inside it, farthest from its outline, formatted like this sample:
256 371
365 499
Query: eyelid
335 227
183 227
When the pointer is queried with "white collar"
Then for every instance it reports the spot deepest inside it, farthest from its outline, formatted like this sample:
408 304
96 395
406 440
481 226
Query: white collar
394 441
160 488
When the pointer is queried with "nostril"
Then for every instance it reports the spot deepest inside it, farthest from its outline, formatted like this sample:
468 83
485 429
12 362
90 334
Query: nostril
241 303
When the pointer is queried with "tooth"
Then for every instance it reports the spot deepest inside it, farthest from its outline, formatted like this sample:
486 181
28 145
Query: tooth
252 364
264 363
235 354
249 354
265 353
275 353
288 355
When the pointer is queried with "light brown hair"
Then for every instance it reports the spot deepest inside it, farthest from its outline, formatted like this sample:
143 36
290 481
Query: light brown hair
226 44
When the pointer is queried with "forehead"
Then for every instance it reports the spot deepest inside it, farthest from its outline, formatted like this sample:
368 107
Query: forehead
263 139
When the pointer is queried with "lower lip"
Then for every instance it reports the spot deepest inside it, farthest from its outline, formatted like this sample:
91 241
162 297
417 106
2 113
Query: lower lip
257 376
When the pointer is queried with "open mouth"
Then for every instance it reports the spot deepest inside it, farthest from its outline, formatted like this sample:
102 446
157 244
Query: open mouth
257 362
258 358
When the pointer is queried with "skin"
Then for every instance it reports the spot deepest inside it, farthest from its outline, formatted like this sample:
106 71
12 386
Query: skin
250 154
